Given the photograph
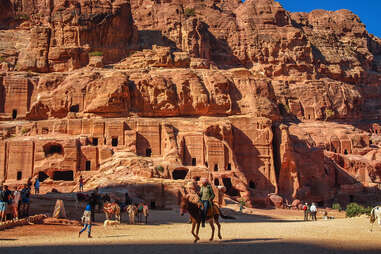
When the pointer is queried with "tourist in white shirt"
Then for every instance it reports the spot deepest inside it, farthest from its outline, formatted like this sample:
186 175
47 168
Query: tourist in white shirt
313 210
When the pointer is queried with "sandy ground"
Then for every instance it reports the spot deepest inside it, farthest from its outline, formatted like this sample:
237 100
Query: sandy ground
265 231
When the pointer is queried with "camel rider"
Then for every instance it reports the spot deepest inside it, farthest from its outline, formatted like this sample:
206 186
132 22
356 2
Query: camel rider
206 197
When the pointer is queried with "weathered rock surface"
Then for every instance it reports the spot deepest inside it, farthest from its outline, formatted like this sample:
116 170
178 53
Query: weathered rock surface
157 94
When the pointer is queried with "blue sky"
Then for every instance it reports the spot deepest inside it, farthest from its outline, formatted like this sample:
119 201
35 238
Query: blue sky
369 11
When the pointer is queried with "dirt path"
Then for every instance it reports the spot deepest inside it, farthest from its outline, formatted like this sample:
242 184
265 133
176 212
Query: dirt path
168 233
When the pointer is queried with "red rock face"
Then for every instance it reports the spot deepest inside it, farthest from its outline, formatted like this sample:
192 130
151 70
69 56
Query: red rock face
247 94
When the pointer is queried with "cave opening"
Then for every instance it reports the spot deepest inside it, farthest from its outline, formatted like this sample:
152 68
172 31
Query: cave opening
230 190
179 174
50 149
42 176
14 114
63 175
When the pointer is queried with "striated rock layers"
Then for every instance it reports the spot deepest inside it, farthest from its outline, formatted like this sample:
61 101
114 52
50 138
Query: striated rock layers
157 94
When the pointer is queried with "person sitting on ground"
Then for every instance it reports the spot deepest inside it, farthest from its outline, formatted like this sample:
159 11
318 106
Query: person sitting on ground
206 196
313 210
86 220
37 187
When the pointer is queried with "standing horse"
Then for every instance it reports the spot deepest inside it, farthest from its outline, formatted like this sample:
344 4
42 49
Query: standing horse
195 215
375 214
111 209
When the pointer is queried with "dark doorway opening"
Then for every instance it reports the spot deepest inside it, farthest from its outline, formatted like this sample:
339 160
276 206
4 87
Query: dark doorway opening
153 205
215 167
345 151
230 190
178 174
251 185
206 164
14 114
95 141
216 182
229 166
351 198
74 108
320 203
88 165
42 176
63 176
19 175
196 178
148 152
114 142
194 161
50 149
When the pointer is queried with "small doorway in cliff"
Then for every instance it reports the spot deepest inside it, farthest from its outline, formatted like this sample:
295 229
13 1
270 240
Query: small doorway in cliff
74 108
215 167
216 182
194 161
148 152
229 167
95 141
230 190
63 175
114 141
19 175
42 176
351 198
88 166
153 205
251 185
14 114
179 174
345 151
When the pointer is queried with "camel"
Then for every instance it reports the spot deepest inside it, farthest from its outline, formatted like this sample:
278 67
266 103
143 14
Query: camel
111 209
375 214
132 211
194 211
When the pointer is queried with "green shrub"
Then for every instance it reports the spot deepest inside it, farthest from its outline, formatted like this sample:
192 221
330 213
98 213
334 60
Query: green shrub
96 53
189 12
24 130
336 206
329 113
160 169
22 17
2 59
354 209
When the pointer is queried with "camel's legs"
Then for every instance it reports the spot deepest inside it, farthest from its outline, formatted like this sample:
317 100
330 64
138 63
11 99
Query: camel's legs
211 222
218 227
195 236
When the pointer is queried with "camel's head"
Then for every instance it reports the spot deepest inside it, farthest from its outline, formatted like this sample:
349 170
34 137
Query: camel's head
184 203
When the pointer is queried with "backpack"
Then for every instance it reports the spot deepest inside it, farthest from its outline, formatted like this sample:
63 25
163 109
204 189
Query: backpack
304 208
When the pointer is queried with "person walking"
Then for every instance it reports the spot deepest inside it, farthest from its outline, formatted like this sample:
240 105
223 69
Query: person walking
313 210
206 196
37 187
80 183
305 210
86 220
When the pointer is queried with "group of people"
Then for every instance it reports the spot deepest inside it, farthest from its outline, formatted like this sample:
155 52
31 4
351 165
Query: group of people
17 201
310 211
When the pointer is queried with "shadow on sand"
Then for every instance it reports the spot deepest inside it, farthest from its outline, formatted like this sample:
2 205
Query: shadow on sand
262 246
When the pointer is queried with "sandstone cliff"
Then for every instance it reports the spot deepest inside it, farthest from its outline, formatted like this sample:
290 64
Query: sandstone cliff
252 96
